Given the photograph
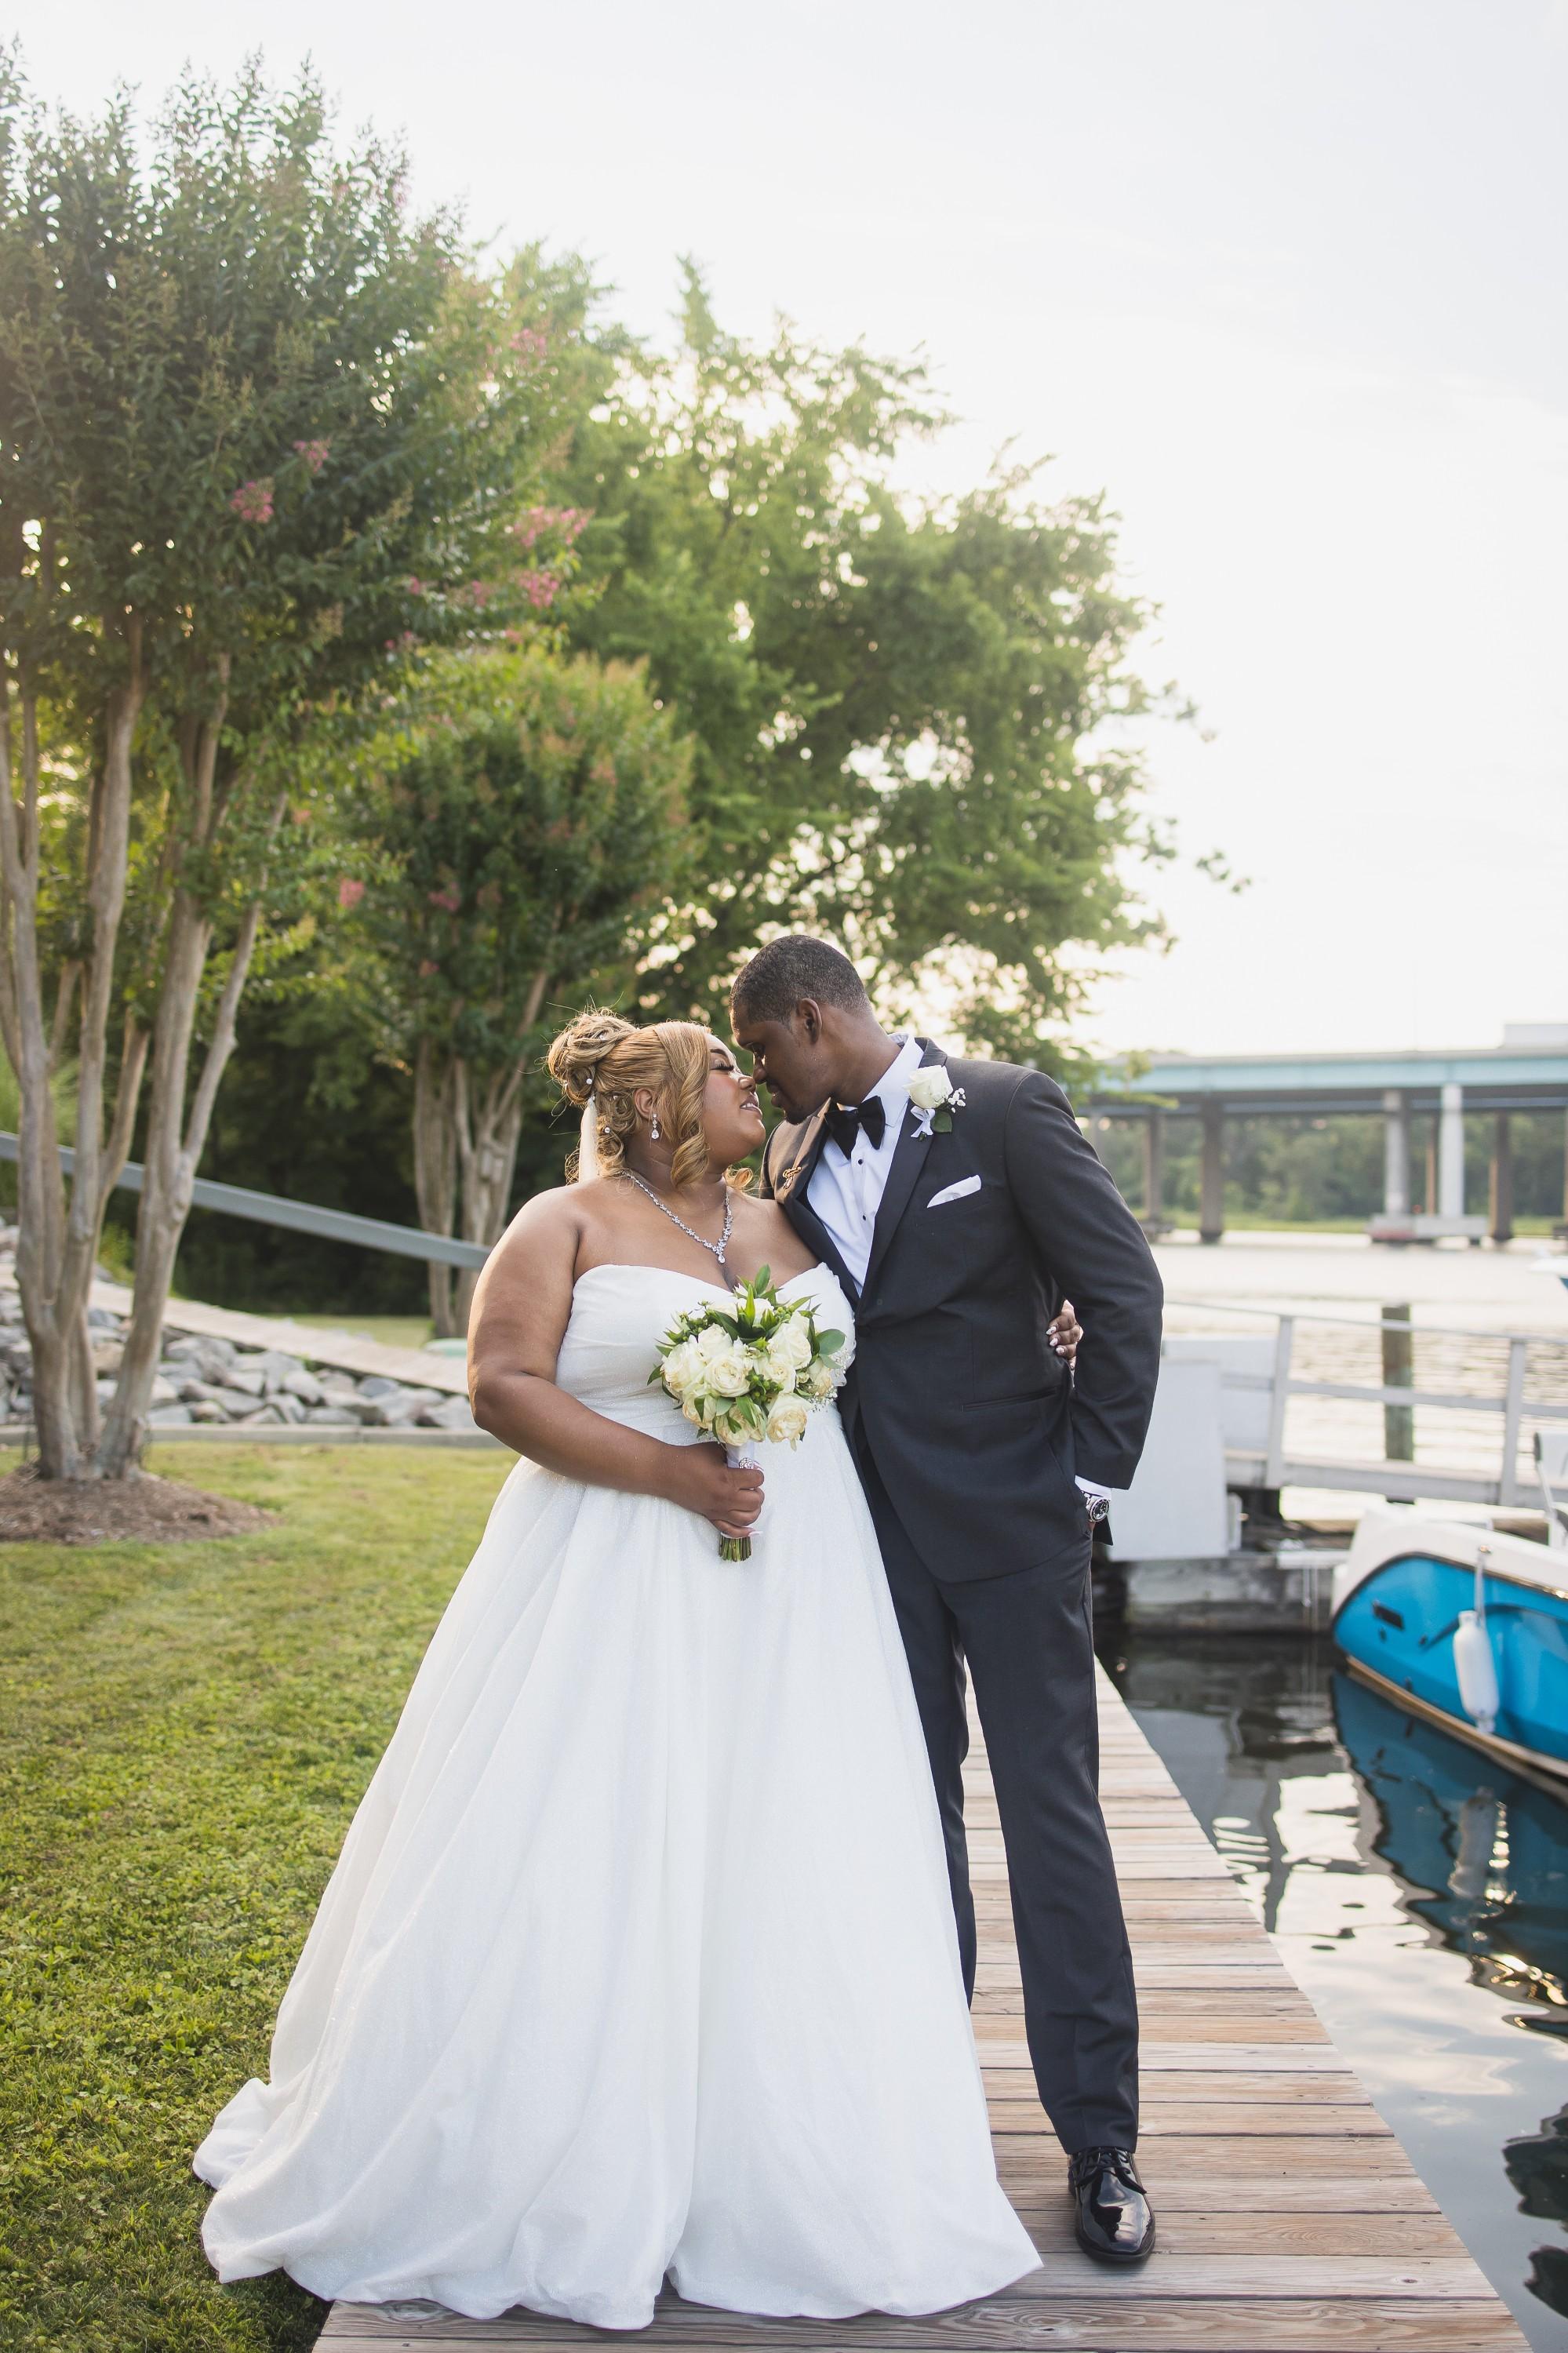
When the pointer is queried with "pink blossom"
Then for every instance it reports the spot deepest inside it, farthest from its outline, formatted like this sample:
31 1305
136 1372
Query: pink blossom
448 899
314 453
426 969
349 892
479 594
415 587
530 344
252 501
539 587
568 521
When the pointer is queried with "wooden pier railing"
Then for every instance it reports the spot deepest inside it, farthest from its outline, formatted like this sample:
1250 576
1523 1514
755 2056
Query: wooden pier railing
1290 2218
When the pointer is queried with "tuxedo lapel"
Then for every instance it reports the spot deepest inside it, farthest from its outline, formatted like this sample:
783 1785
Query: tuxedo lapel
908 1159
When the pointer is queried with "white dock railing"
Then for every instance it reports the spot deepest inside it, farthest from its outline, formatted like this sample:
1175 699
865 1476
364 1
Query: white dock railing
1470 1423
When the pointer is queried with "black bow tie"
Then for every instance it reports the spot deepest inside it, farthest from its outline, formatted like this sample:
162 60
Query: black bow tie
844 1121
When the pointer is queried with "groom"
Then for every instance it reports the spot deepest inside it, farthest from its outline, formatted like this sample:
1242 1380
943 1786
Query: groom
958 1202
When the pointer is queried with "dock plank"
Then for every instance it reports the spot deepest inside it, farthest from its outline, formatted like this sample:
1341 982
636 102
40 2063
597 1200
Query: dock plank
1262 2152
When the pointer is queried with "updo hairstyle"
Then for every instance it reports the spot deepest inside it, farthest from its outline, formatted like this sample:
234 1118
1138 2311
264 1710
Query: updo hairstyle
601 1060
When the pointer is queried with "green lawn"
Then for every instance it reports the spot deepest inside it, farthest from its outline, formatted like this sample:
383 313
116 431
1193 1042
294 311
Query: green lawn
184 1734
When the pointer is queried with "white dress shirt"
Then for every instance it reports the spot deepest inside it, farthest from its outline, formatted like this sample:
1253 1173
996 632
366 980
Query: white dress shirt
846 1192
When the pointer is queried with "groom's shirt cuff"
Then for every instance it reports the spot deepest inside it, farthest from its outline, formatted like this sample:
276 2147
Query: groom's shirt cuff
1089 1488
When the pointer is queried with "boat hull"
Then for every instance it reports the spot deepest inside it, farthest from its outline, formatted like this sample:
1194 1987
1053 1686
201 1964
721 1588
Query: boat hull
1396 1630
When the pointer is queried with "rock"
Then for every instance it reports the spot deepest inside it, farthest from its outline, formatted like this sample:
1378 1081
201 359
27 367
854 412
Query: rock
208 1409
164 1392
403 1407
303 1386
105 1390
165 1417
108 1356
335 1416
453 1413
253 1385
338 1386
230 1403
272 1365
101 1319
287 1407
208 1360
377 1385
267 1413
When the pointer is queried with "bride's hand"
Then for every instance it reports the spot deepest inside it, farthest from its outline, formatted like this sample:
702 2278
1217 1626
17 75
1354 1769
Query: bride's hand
701 1481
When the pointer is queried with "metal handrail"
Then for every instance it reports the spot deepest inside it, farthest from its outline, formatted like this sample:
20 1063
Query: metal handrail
301 1217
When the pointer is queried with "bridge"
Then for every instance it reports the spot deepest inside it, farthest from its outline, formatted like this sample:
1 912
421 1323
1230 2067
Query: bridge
1527 1072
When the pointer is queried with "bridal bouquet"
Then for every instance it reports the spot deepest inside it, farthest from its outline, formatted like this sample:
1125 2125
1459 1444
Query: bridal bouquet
754 1371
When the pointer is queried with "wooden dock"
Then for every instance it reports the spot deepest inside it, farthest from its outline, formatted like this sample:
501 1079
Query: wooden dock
1290 2218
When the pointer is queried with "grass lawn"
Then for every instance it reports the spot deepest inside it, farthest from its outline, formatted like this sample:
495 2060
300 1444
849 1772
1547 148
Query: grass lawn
184 1733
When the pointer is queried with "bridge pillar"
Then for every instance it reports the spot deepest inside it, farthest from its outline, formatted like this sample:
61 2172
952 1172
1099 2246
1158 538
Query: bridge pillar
1154 1168
1397 1154
1211 1183
1451 1153
1501 1218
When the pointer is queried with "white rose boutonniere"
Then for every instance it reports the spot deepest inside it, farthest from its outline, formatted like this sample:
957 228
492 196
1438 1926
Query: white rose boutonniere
935 1099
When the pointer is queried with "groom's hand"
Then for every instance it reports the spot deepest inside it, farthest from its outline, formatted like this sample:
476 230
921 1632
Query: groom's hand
703 1481
1066 1333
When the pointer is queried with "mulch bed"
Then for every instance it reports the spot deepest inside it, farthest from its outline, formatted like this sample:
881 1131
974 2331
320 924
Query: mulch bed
139 1510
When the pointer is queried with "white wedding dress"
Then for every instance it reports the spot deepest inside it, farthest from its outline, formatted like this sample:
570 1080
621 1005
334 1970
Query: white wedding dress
639 1959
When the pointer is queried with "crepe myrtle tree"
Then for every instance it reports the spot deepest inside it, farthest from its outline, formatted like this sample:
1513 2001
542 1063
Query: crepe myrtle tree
524 843
265 437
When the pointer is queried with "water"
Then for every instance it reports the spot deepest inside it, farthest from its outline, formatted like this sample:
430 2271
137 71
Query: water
1419 1895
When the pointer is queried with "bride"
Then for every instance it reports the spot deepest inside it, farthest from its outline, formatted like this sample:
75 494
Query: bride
639 1959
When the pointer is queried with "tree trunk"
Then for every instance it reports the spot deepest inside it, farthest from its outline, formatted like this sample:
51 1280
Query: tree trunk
435 1169
175 1142
57 1239
487 1127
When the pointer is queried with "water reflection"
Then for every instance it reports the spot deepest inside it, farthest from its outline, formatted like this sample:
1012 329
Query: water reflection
1383 1852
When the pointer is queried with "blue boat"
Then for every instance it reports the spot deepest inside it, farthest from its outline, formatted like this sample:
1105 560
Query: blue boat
1464 1627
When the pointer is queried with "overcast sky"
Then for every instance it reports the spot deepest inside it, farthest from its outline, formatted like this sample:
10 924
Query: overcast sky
1284 277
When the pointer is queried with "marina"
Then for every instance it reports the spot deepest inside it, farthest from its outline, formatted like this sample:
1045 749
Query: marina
1418 1893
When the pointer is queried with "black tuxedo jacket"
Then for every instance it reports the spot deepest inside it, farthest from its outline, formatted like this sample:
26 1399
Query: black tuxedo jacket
974 1423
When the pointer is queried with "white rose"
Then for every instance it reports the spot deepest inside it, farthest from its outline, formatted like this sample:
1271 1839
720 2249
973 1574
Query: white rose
730 1374
787 1423
682 1365
930 1088
780 1370
791 1343
697 1405
712 1341
818 1380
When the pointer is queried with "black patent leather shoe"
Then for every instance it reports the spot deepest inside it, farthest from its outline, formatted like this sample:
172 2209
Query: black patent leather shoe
1114 2223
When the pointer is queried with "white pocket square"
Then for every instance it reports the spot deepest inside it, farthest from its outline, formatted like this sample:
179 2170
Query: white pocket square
954 1192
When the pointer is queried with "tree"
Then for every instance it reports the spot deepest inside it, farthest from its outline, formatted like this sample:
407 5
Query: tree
522 849
909 720
263 438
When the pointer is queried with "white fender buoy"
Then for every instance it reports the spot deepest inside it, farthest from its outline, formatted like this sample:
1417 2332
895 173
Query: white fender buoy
1477 1671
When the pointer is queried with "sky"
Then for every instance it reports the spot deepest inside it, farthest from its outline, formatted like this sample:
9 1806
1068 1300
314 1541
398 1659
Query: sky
1282 278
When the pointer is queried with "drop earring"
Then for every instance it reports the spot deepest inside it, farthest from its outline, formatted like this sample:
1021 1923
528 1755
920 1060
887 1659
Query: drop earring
653 1131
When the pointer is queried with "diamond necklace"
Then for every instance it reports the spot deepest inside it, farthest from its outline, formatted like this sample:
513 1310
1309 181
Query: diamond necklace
718 1248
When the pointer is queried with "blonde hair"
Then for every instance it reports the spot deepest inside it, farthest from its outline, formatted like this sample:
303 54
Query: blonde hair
598 1061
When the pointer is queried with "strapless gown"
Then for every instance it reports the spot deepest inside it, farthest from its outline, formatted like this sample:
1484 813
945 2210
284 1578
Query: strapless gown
639 1959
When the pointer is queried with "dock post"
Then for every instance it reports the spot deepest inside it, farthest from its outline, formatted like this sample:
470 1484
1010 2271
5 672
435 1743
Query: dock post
1212 1184
1397 1154
1153 1167
1398 1372
1451 1153
1501 1216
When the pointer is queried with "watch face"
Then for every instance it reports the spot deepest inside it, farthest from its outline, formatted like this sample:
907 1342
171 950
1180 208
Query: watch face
1099 1505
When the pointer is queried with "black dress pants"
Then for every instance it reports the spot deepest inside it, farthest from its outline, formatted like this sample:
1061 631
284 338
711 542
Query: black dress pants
1028 1642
